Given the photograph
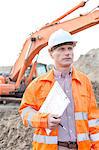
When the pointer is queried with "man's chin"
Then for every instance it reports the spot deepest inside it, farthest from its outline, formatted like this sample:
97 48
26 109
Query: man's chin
67 65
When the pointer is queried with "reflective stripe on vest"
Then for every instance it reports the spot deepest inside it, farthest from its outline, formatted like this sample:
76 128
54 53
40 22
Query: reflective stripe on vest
45 139
93 122
81 116
94 137
82 137
30 118
25 110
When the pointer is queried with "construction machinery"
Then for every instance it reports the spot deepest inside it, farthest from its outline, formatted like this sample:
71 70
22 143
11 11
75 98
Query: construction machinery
12 85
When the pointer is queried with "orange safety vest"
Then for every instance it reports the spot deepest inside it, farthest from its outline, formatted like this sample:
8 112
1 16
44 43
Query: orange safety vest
87 125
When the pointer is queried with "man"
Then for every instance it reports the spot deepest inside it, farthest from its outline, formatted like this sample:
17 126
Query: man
80 128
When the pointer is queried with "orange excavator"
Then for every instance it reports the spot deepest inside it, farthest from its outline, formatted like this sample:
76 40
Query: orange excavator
12 85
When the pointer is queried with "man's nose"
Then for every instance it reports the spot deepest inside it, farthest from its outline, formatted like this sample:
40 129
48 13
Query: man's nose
67 52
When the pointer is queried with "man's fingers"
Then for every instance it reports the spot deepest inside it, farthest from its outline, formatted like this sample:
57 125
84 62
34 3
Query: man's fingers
55 116
53 126
54 120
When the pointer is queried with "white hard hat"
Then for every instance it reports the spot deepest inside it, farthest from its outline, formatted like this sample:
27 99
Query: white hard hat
60 36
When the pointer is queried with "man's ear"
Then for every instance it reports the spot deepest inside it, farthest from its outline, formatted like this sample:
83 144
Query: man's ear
51 53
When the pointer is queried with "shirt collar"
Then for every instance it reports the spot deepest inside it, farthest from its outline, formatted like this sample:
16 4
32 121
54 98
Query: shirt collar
50 75
59 74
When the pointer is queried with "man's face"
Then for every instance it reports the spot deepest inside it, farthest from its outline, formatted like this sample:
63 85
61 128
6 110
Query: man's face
63 55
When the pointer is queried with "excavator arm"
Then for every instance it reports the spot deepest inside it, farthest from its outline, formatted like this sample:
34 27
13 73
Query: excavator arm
82 23
39 39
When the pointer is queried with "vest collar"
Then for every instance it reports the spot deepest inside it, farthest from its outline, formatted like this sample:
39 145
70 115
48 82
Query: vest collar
50 75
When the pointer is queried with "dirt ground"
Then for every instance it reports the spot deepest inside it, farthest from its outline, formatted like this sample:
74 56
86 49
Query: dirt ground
13 135
96 90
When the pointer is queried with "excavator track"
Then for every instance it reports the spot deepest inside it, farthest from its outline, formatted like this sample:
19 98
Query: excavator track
6 100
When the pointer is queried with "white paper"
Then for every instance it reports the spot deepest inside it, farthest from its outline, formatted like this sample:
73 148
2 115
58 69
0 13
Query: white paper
56 101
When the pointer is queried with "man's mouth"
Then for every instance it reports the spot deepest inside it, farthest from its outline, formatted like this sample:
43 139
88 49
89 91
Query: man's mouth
66 58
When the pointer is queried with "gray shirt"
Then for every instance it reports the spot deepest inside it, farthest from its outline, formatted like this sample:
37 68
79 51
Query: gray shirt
67 119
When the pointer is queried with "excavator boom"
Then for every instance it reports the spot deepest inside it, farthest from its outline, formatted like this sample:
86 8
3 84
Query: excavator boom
39 39
27 46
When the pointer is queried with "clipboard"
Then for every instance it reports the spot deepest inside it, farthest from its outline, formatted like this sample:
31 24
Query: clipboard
56 102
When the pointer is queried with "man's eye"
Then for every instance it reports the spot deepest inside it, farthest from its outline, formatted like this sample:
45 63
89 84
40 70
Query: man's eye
70 48
61 49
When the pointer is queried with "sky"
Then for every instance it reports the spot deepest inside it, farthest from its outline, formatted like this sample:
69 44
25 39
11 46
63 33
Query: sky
18 18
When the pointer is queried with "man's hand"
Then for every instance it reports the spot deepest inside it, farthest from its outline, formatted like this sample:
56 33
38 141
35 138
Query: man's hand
53 121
